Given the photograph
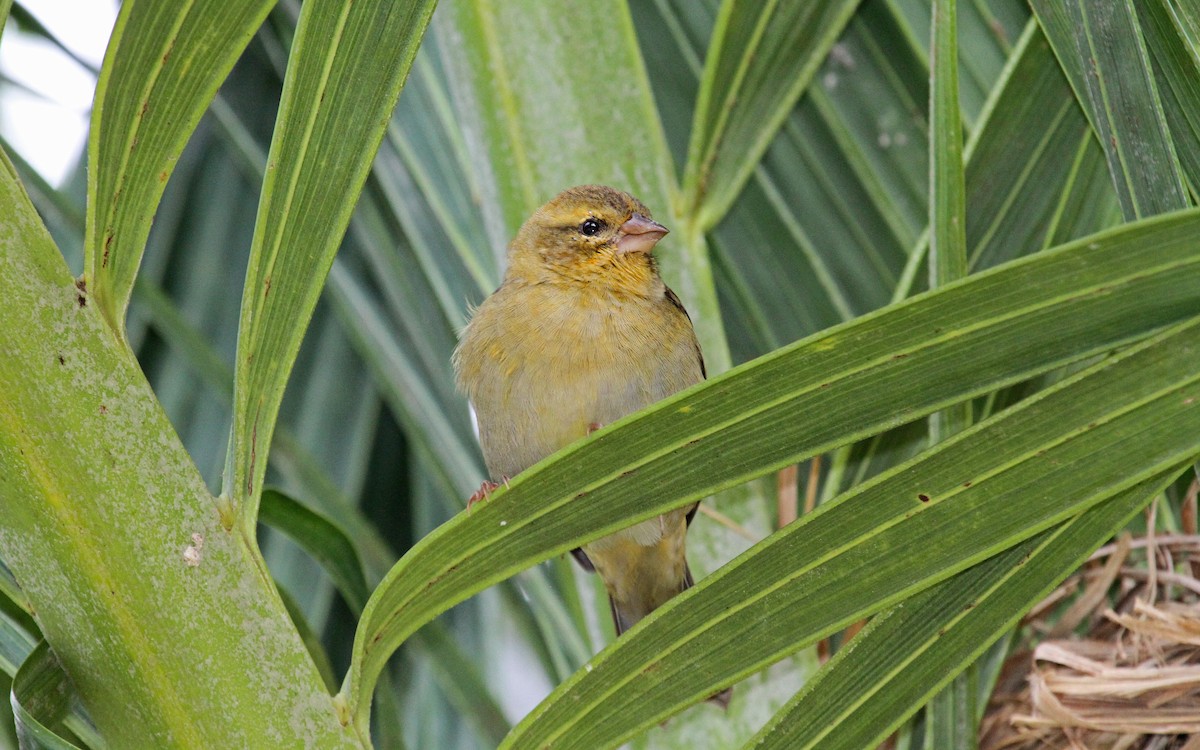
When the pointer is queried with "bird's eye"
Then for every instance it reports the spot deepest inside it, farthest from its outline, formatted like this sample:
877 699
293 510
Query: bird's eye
591 227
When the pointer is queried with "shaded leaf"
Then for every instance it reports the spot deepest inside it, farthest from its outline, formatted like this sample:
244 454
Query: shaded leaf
40 696
1103 53
1172 34
320 538
740 107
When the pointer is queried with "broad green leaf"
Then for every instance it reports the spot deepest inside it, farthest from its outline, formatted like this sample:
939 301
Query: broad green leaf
312 642
40 696
163 66
68 499
1123 421
907 652
346 68
1103 53
882 370
741 106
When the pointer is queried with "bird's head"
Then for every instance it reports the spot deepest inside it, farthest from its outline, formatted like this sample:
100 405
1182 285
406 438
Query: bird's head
589 233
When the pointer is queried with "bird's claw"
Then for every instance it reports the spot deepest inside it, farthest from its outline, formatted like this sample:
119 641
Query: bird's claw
593 426
485 490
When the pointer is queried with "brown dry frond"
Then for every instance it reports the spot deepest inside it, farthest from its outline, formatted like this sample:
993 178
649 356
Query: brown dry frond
1131 680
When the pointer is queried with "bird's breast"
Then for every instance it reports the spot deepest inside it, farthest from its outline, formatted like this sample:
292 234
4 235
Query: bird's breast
542 366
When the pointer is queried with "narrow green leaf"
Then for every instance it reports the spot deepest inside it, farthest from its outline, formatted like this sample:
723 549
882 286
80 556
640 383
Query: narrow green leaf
1172 29
1089 202
947 198
982 51
885 369
431 144
884 114
947 202
949 718
460 679
347 65
741 106
163 66
63 218
40 696
988 488
1022 155
18 636
947 723
909 651
403 386
1103 53
322 539
989 667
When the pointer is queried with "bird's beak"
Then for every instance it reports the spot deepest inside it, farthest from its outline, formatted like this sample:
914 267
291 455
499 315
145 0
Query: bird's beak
639 235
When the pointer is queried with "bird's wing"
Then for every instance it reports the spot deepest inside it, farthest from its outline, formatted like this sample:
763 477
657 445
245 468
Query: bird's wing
674 300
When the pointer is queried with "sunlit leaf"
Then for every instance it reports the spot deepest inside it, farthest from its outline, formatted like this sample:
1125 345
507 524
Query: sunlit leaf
161 70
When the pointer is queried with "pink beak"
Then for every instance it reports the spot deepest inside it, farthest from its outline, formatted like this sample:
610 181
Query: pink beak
639 235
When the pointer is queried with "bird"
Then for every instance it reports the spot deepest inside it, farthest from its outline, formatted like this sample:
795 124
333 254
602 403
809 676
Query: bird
582 331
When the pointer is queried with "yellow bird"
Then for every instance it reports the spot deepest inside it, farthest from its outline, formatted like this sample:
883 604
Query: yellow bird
581 332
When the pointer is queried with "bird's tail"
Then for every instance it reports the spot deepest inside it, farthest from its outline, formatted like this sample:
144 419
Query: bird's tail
627 614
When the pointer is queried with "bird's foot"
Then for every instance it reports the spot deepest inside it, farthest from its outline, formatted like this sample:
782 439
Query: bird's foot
485 490
593 426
